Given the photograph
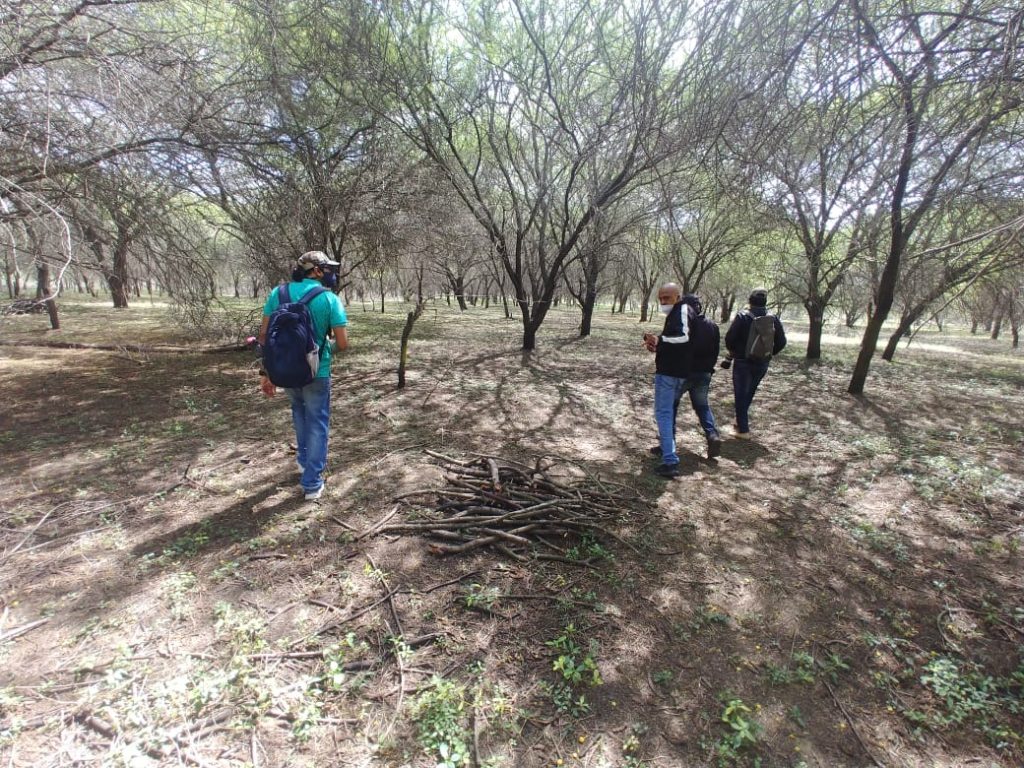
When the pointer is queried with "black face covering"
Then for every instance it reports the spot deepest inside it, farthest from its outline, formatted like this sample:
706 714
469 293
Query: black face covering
330 279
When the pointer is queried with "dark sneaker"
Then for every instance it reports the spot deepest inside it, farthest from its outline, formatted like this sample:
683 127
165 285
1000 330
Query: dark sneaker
655 451
714 445
667 470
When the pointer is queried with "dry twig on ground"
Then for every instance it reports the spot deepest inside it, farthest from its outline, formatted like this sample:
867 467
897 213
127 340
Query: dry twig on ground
511 507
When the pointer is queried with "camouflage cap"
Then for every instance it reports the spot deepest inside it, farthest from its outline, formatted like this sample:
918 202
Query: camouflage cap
313 259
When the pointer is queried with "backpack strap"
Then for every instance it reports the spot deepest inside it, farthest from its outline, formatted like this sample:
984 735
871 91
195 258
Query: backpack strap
307 297
283 295
311 294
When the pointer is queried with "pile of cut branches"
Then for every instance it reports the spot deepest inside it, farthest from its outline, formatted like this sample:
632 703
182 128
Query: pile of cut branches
521 511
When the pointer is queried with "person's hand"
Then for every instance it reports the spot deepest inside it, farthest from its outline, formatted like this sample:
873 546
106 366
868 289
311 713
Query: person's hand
726 362
650 342
267 386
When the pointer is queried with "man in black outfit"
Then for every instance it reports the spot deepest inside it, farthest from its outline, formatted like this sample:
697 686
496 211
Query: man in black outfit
685 355
752 354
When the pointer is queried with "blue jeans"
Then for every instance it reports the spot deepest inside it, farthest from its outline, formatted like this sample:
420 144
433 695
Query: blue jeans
746 376
311 414
668 391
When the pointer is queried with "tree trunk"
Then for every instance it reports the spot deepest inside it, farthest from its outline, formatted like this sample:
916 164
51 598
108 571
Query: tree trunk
974 326
816 320
997 325
645 302
529 337
43 291
117 277
530 324
589 300
894 340
728 302
403 354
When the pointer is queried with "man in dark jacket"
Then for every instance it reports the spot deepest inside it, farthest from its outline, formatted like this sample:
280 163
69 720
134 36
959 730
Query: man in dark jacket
751 355
685 355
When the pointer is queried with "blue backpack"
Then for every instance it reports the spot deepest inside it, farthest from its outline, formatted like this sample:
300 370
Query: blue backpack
291 355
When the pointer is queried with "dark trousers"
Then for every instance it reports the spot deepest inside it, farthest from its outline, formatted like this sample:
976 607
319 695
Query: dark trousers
746 375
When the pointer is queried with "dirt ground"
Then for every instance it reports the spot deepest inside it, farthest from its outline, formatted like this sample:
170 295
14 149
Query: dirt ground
843 590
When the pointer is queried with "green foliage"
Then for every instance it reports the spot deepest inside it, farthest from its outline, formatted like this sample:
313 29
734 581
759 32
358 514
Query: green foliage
589 549
575 665
334 676
741 735
243 628
438 712
177 588
565 699
480 596
878 540
803 667
187 545
662 677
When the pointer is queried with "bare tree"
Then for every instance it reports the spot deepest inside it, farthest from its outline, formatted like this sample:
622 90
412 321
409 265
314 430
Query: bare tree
539 123
953 78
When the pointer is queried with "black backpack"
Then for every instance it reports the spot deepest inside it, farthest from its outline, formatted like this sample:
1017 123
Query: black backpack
761 339
291 355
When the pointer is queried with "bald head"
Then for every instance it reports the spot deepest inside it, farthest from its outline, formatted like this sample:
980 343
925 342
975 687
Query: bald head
669 293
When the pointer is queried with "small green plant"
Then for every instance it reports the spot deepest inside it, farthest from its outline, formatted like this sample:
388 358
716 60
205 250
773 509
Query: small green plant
801 669
480 596
706 616
966 695
833 665
662 677
226 570
306 719
741 733
438 712
575 665
589 549
565 699
336 656
242 627
177 587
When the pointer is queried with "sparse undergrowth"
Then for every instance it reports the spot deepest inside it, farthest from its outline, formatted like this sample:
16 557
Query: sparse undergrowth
168 596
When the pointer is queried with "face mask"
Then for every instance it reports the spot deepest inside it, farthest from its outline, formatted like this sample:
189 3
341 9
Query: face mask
329 280
665 308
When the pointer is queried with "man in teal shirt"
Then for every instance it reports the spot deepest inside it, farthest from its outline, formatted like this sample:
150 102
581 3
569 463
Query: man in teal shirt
311 404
